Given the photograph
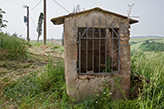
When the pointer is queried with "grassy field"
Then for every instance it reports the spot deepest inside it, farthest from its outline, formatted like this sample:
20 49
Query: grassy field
139 41
37 80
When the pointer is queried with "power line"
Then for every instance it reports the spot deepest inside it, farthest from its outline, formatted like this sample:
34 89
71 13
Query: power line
33 21
61 6
36 5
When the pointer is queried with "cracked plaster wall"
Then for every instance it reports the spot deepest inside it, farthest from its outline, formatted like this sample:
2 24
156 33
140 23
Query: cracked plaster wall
80 87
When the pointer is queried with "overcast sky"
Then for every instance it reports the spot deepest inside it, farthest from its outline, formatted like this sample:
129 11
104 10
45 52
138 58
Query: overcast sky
150 12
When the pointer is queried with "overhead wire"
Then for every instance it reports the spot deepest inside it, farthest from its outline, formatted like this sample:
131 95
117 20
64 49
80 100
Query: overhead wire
61 6
36 5
33 21
39 3
33 9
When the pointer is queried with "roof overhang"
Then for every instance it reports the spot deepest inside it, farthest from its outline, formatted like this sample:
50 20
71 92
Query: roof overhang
60 20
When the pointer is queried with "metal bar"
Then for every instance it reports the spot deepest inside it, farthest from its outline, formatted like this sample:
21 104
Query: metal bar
119 53
79 52
98 38
28 38
45 22
102 73
93 47
86 48
99 43
112 49
106 38
106 46
99 24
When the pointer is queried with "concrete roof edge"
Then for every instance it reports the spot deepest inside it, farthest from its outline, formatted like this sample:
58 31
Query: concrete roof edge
60 20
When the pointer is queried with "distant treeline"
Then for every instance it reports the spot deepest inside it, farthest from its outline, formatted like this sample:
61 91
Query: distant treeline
152 46
133 42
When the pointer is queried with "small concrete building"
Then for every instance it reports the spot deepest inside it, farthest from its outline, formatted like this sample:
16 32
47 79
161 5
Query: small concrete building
97 51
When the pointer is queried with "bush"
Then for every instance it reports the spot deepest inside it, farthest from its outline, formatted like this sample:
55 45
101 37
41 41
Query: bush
152 46
12 47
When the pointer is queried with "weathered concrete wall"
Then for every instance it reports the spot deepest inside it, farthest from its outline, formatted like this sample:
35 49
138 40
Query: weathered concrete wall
81 86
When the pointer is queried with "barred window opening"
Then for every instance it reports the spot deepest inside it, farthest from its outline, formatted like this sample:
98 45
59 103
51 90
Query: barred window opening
98 51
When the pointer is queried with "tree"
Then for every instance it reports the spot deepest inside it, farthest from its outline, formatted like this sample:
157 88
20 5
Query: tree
39 28
2 25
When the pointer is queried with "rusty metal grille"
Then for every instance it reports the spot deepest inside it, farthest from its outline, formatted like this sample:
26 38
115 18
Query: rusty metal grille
98 49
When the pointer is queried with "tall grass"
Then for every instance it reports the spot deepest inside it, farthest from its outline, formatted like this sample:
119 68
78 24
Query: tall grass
48 89
55 47
150 65
39 90
58 48
36 44
12 47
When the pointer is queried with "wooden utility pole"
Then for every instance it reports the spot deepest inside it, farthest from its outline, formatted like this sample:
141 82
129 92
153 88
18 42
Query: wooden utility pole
45 22
26 19
28 39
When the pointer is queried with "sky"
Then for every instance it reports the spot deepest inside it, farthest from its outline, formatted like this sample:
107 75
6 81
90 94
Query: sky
150 13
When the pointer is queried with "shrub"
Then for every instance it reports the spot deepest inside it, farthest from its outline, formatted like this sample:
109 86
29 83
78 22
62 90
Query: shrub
12 47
